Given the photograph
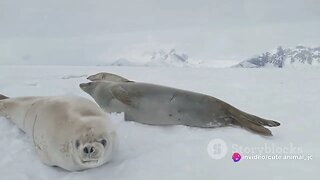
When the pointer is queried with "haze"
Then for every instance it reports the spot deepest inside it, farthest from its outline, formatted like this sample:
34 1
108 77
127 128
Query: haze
81 32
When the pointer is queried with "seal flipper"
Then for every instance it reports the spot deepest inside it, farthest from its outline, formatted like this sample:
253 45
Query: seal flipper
251 122
121 94
257 128
262 121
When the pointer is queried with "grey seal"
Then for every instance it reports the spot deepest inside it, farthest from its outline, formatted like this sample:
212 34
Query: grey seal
160 105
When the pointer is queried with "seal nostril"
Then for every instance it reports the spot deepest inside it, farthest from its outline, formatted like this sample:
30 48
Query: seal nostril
86 150
92 149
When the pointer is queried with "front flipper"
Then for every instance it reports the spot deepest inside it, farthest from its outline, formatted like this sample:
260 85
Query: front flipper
122 95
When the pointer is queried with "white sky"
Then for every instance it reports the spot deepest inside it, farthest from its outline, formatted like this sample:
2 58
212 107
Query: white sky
96 31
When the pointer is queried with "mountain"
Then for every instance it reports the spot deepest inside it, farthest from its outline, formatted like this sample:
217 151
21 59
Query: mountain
160 58
290 57
123 62
168 58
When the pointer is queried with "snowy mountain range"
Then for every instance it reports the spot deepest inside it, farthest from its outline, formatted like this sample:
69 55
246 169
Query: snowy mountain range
160 58
280 58
170 58
299 56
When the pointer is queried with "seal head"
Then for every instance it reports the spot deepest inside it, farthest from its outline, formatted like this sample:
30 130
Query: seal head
89 87
102 92
94 145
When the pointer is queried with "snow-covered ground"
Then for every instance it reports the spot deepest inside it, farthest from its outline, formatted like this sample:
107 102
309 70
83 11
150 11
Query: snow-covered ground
290 96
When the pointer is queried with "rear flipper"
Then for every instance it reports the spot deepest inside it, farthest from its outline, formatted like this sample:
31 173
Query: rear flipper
251 122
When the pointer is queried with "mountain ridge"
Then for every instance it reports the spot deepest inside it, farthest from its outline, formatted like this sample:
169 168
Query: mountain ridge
281 58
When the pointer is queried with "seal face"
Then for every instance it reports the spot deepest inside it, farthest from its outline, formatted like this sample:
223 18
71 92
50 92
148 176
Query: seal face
91 147
159 105
70 132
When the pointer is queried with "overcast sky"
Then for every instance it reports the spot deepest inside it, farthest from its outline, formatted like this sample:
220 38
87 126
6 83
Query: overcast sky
91 31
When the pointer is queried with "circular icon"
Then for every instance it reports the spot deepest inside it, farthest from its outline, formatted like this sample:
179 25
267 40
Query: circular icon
236 157
217 149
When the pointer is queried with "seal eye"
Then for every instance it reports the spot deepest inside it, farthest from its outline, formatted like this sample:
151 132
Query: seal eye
103 142
77 143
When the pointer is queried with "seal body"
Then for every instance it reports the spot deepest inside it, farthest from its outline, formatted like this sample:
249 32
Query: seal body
67 131
160 105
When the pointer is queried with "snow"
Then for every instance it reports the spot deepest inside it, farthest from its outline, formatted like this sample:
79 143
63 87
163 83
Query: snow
290 96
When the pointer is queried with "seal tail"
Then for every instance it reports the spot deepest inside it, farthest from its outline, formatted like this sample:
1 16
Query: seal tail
251 122
3 97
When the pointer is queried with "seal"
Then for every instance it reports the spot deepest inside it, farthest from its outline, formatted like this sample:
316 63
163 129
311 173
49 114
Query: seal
67 131
108 77
160 105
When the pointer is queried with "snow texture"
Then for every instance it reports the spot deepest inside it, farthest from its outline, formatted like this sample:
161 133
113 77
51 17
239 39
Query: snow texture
290 96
